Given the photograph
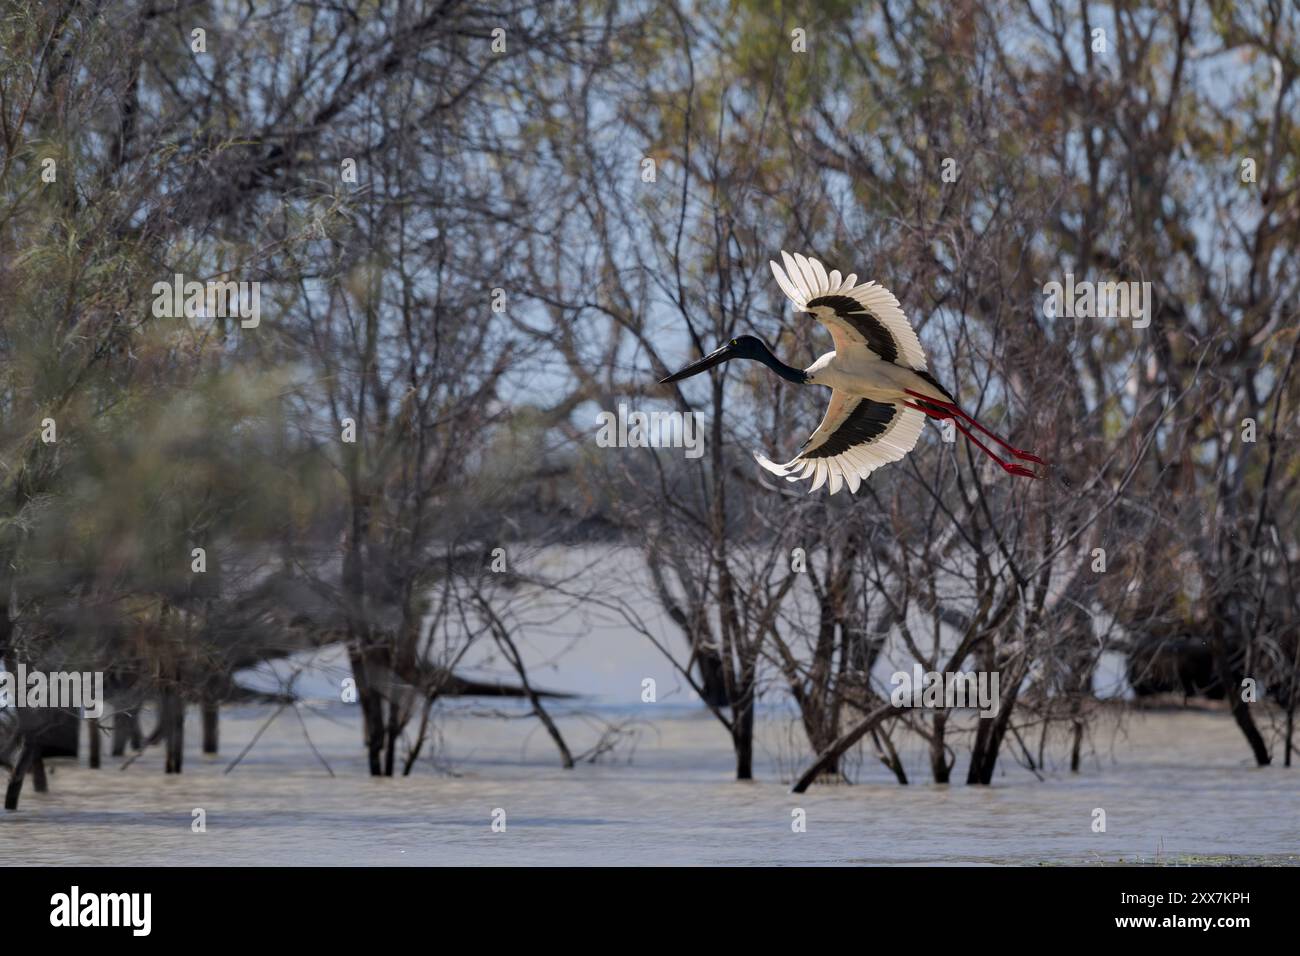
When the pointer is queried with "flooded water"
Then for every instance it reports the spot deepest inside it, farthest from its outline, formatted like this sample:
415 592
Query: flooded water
1175 787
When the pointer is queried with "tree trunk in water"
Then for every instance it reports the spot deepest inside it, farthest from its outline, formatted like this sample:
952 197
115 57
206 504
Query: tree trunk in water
821 726
975 772
988 739
566 756
391 733
1077 748
1290 706
837 749
1241 713
211 722
743 738
93 725
988 742
178 735
889 755
713 679
420 738
126 727
1290 731
121 733
1240 709
25 758
939 767
1231 680
511 652
172 725
373 709
819 745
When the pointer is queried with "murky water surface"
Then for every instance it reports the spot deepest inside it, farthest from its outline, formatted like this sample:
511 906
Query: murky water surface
1174 786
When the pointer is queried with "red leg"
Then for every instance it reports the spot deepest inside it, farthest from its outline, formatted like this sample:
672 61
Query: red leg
1023 455
933 413
1010 467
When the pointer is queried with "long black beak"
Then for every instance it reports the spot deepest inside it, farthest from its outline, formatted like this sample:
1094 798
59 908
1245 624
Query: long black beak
703 365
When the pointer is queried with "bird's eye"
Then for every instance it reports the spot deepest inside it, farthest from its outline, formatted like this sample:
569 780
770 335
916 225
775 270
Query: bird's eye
735 341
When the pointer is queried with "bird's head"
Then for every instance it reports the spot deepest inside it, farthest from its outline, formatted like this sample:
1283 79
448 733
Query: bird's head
744 346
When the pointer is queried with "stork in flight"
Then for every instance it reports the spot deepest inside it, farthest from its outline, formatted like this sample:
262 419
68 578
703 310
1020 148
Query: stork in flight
881 392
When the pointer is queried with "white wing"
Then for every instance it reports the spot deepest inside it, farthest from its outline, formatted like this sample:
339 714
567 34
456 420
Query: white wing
855 438
864 316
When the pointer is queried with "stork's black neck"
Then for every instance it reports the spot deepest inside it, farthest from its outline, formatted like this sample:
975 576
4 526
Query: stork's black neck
788 372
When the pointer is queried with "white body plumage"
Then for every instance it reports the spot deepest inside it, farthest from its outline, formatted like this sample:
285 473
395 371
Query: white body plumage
866 376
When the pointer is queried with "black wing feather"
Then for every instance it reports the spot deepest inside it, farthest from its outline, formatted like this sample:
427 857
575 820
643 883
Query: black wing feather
879 339
865 423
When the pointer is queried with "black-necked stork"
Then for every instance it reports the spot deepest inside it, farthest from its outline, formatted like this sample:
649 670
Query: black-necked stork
881 392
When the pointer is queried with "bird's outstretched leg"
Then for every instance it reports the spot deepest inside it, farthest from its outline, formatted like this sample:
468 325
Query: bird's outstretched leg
946 415
1022 455
1008 466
